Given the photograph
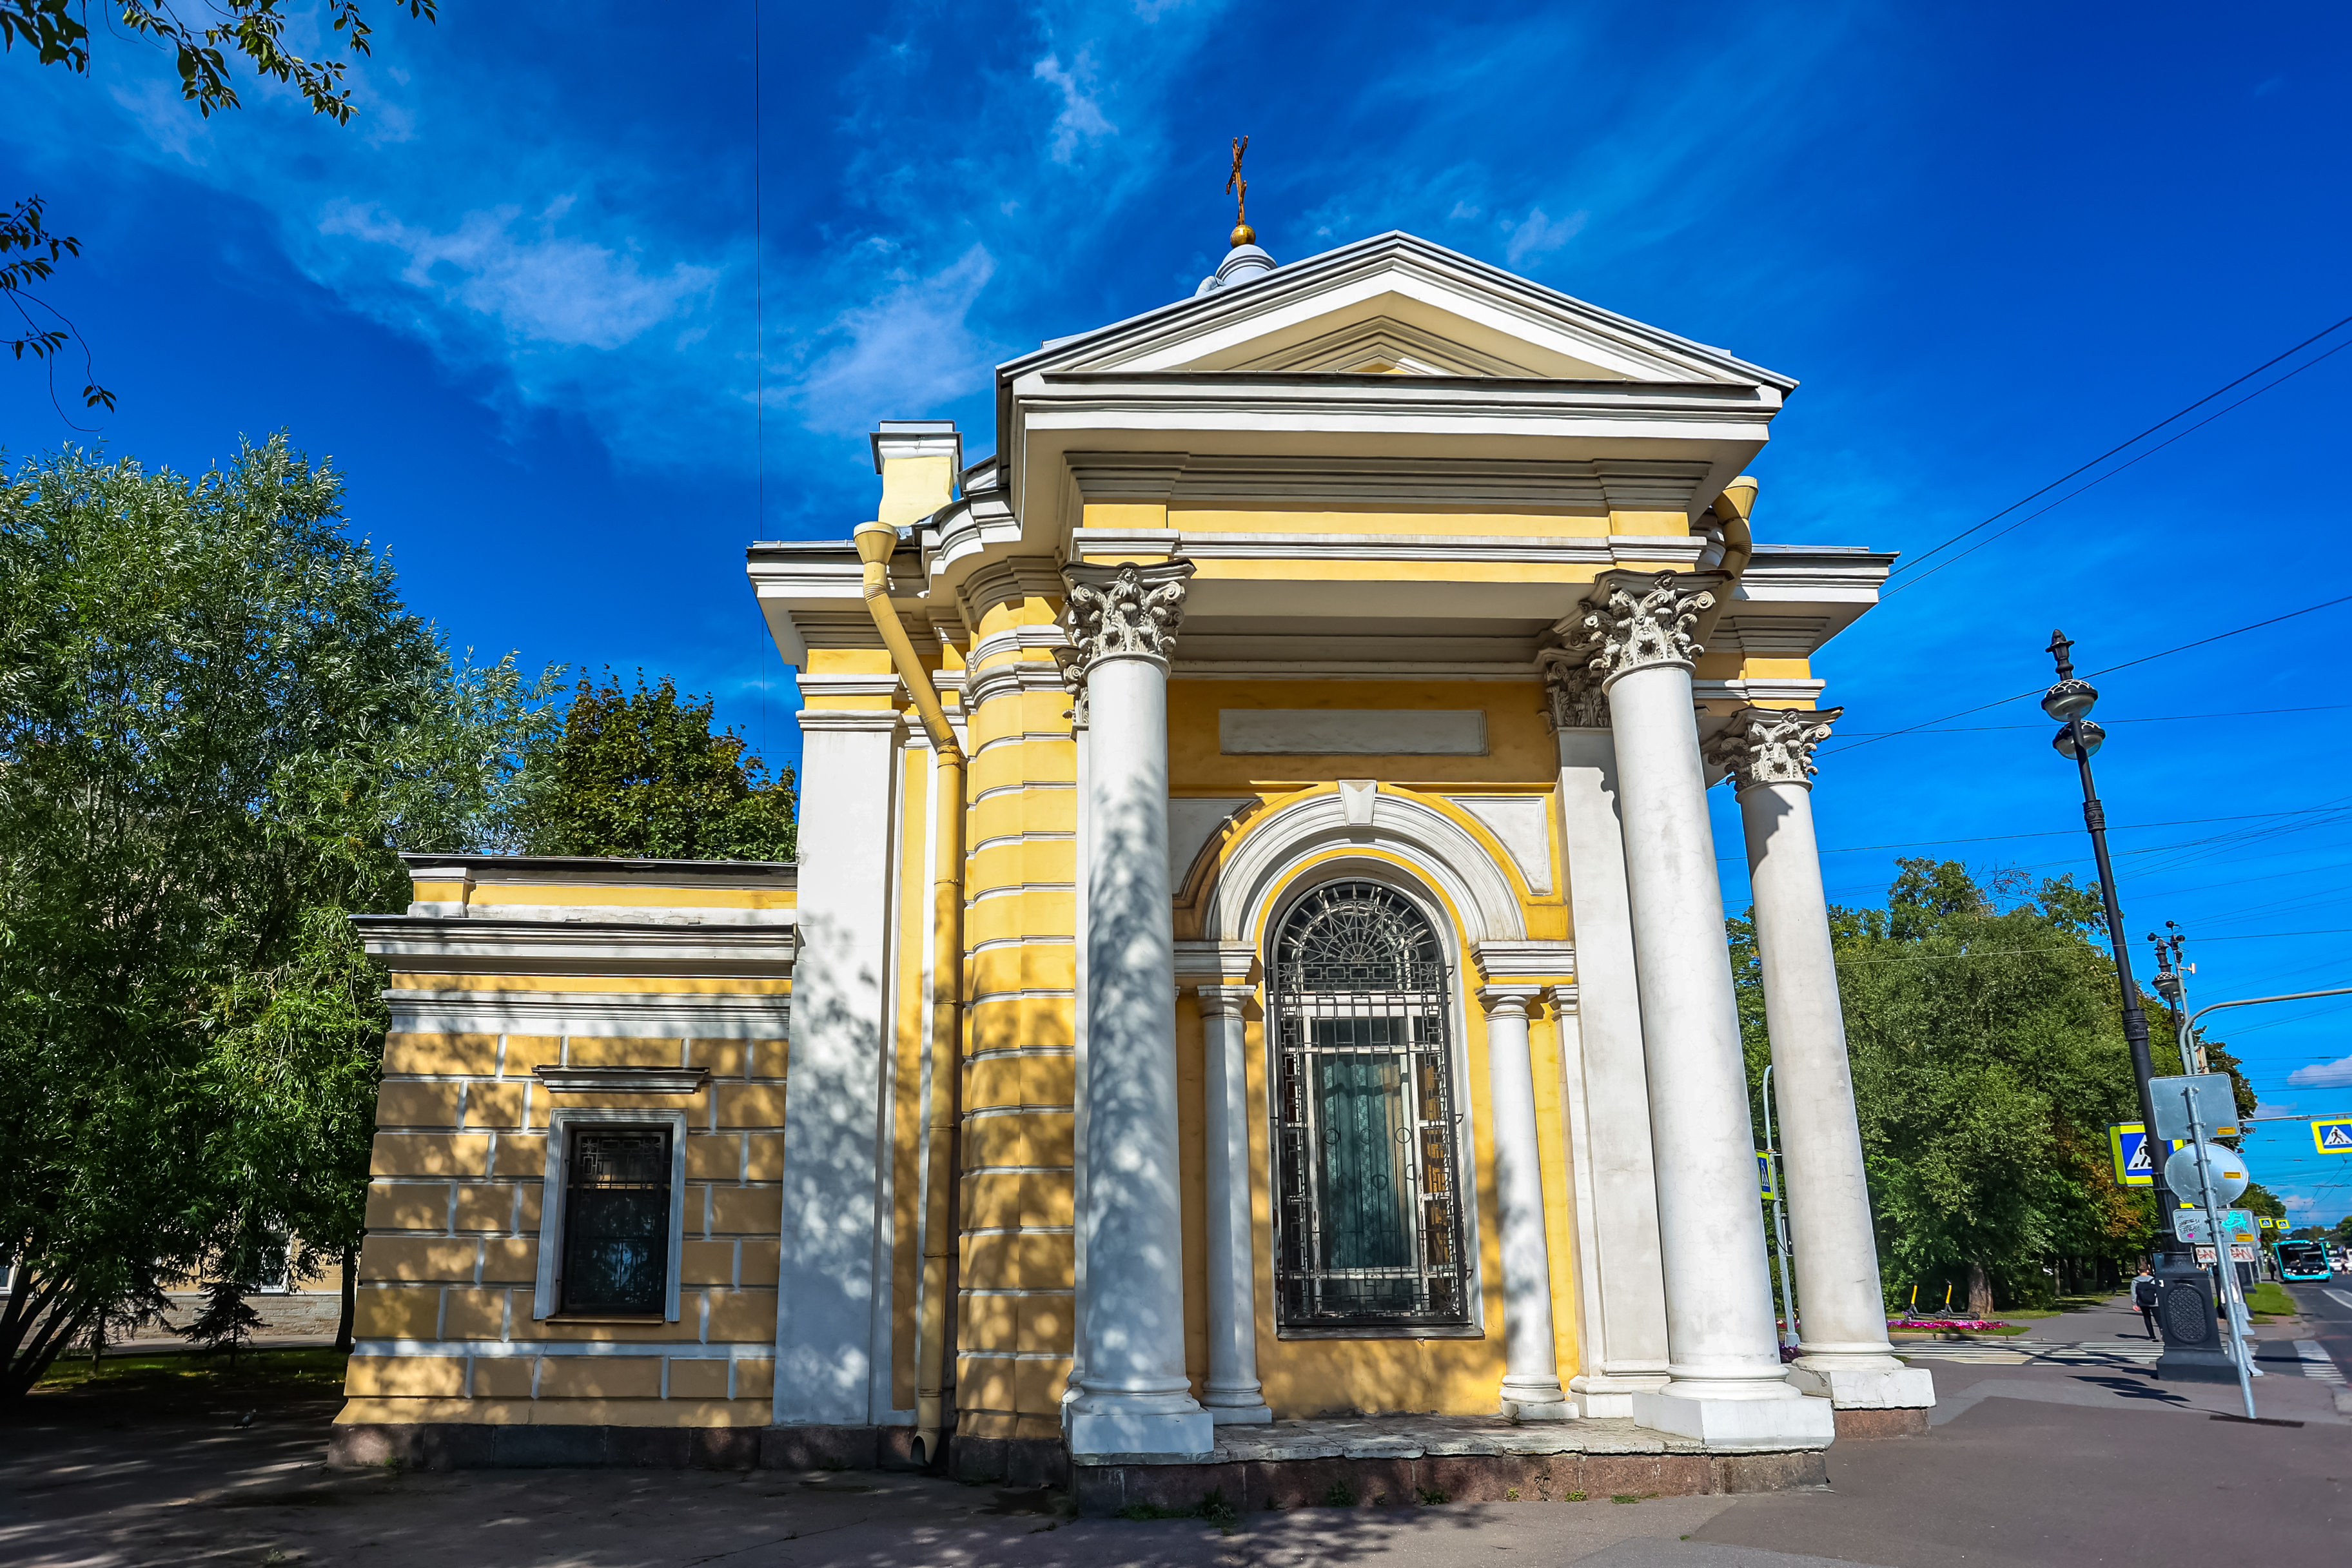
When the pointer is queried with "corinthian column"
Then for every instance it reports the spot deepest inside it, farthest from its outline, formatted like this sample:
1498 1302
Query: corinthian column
1726 1382
1231 1391
1137 1398
1532 1390
1842 1315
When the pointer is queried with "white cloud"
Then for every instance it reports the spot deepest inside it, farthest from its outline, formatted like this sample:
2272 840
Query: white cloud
900 354
2336 1073
2297 1201
1539 235
545 288
167 122
1081 117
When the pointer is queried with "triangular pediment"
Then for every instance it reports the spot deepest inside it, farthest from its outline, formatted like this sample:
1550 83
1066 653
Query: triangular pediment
1393 306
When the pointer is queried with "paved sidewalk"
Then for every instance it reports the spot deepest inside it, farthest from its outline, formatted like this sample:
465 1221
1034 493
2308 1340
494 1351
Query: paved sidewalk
2042 1462
2102 1359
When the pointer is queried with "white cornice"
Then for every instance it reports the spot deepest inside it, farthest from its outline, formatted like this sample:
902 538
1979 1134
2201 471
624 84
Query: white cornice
440 945
850 721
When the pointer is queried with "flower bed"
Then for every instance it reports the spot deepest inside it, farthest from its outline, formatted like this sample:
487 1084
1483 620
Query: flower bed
1943 1325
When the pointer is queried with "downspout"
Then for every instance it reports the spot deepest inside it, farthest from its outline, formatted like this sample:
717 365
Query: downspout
1732 509
942 1114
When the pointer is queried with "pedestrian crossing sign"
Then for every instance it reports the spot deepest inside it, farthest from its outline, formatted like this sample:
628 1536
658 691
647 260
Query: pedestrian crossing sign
2333 1134
1764 1171
2128 1141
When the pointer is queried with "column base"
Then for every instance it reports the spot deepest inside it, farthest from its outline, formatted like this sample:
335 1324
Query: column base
1795 1419
1536 1399
1248 1410
1867 1388
1611 1395
1538 1410
1107 1429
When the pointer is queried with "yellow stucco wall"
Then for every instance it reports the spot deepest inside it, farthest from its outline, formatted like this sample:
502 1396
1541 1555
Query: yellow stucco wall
449 1267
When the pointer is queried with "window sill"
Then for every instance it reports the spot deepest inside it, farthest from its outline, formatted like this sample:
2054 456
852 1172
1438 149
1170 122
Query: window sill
634 1319
1456 1331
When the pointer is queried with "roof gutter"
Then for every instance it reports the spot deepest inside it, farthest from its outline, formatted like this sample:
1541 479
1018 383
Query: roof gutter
935 1348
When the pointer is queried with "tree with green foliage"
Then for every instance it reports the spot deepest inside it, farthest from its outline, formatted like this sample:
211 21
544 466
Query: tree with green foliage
216 722
57 33
640 772
227 1319
1988 1061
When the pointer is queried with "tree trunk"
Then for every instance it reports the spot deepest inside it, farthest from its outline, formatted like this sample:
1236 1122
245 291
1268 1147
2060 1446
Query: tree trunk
351 1300
1980 1293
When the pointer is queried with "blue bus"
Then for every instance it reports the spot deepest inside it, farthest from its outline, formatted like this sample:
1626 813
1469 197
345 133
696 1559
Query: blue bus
2303 1261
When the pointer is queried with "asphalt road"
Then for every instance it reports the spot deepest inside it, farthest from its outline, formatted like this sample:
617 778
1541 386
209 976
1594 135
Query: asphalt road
2329 1308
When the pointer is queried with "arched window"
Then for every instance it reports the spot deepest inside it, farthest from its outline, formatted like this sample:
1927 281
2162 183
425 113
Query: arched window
1368 1225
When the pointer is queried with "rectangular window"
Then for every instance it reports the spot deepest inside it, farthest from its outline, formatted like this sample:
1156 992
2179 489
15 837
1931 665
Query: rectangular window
616 1211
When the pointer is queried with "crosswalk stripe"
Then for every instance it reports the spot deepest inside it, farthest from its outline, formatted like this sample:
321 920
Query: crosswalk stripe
2317 1362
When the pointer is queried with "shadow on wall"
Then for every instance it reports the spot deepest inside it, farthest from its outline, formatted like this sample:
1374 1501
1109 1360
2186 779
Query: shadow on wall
833 1109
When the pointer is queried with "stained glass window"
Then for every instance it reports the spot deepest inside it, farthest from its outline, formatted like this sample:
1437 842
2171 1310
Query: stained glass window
1369 1217
616 1223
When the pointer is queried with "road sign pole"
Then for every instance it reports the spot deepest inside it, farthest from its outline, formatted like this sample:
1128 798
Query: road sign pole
1779 1218
2223 1262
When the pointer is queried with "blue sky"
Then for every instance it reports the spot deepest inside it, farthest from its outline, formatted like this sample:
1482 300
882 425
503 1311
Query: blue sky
515 299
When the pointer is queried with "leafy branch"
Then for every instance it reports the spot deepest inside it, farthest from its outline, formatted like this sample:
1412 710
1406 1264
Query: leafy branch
57 31
39 249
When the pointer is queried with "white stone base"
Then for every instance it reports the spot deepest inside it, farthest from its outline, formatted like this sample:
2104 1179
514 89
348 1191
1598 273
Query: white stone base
1538 1410
1099 1436
1911 1388
1610 1397
1239 1415
1796 1419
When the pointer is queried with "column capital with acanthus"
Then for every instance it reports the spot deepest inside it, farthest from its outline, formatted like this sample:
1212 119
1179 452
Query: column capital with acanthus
1773 745
1127 611
1637 620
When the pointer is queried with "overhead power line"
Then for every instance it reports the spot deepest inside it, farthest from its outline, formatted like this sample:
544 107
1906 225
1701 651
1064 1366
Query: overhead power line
2118 468
2023 500
2110 669
2145 719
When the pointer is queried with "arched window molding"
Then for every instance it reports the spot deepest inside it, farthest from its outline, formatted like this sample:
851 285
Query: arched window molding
1440 850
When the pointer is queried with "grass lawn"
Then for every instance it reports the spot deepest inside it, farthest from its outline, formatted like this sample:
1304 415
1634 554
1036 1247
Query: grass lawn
2270 1301
307 1372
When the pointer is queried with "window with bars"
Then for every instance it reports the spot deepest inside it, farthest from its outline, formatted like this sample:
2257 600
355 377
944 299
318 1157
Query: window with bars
1368 1225
616 1222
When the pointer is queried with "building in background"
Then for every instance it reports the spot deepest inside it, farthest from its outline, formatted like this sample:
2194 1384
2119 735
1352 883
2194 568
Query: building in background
1256 954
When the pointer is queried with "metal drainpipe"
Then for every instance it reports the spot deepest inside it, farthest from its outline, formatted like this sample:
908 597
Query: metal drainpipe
935 1346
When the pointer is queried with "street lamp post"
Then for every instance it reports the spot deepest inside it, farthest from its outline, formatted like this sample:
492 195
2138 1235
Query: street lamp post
2070 701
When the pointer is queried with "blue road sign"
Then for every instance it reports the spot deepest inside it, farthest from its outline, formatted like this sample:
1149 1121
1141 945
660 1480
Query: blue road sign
2128 1142
2333 1134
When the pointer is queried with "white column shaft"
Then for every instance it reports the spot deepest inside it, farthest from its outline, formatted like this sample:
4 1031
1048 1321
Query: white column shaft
825 1295
1841 1313
1609 1093
1230 1392
1080 733
1719 1326
1137 1398
1532 1390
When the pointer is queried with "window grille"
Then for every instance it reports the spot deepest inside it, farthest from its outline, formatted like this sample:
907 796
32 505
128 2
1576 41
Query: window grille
616 1223
1369 1217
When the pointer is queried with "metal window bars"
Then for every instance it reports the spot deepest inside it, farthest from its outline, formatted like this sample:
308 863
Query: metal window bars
1368 1212
616 1223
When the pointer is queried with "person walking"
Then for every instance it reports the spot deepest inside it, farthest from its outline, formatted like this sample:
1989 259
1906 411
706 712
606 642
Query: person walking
2144 1298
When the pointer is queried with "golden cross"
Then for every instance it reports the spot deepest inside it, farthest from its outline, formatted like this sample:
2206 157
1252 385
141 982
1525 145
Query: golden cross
1235 186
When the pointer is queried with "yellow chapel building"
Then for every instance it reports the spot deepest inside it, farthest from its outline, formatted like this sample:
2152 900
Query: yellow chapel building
1253 996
